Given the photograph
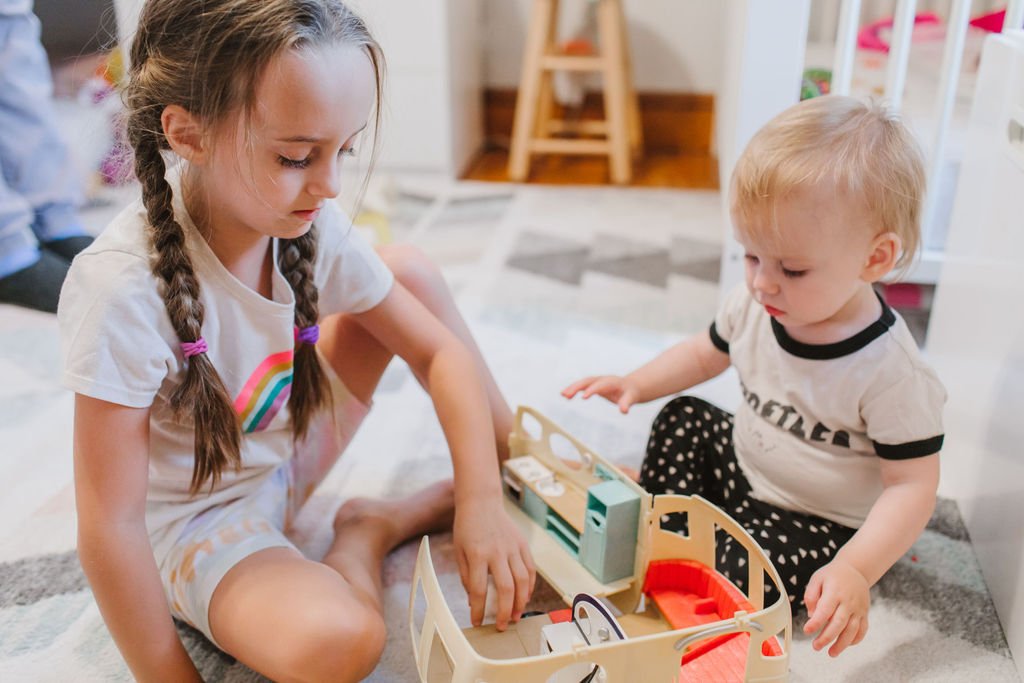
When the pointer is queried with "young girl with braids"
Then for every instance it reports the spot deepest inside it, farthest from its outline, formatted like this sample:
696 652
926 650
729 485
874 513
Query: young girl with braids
224 337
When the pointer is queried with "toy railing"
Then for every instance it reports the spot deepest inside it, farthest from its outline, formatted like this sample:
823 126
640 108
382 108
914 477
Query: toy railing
763 624
651 658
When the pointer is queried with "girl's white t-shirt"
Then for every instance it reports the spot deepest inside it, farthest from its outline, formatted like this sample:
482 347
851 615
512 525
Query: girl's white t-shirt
816 420
118 346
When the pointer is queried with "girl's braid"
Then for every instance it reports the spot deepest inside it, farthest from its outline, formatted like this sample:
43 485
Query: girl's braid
310 390
202 393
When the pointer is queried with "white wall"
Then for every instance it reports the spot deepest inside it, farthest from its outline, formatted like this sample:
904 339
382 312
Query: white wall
432 109
764 59
976 336
676 44
432 114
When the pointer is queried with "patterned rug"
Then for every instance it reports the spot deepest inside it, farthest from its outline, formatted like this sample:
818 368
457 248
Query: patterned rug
556 284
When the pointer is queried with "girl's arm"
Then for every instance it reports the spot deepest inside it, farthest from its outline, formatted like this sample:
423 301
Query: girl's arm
682 366
837 595
111 471
487 541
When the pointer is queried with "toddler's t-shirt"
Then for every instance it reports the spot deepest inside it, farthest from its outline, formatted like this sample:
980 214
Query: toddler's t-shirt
816 418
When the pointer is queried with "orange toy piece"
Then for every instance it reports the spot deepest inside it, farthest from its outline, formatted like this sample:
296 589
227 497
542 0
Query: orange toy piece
580 47
726 665
688 593
560 616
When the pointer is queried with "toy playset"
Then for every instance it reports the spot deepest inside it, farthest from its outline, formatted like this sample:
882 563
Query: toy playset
646 603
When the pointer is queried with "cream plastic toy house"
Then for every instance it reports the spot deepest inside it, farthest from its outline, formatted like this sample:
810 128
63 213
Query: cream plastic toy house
596 537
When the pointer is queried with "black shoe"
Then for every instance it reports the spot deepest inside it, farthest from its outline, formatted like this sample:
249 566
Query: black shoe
38 286
68 247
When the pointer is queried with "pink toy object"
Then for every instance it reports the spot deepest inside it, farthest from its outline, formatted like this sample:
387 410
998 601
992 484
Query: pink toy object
871 36
991 22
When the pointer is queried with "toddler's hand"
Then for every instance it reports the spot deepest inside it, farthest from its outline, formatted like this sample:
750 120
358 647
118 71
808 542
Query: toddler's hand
488 543
837 597
618 390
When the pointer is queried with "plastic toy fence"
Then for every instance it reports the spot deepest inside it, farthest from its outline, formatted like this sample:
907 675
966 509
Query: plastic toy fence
445 652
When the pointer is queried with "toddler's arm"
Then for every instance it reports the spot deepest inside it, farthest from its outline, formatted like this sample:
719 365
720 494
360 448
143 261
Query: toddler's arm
682 366
111 472
837 595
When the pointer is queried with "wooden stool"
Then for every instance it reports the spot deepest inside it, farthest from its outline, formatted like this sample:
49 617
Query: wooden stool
618 135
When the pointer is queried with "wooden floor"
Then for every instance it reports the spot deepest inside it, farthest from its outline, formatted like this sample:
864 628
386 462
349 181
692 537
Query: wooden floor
678 150
657 169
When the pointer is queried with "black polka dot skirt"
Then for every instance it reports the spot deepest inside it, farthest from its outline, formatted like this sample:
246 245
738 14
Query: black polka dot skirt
690 452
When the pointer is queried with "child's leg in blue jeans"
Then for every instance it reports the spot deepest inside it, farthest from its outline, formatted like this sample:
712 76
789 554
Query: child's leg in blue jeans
690 452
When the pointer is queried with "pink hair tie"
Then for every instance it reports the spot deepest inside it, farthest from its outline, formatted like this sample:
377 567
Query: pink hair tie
307 335
195 348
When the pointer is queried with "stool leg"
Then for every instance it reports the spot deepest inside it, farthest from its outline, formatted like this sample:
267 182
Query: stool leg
546 98
545 105
527 101
636 133
615 90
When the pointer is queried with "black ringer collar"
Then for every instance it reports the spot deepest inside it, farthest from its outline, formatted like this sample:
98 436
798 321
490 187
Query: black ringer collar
840 348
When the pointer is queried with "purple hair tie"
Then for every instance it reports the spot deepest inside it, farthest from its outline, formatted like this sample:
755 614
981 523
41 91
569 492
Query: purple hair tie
195 348
307 335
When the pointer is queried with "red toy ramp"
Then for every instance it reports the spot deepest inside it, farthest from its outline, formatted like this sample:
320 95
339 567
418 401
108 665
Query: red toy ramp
688 593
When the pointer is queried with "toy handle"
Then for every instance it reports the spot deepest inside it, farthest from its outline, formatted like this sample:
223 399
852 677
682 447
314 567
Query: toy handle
734 626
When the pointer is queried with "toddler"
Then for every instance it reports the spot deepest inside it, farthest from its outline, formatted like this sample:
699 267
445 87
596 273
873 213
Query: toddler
831 461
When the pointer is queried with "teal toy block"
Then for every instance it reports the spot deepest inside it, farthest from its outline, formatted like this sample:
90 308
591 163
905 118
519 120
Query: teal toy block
608 545
534 506
563 532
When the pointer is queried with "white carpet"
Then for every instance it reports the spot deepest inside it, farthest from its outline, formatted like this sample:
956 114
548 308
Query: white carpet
931 618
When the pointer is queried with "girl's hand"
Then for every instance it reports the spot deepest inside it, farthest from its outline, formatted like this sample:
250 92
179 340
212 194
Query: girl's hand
488 543
619 390
837 600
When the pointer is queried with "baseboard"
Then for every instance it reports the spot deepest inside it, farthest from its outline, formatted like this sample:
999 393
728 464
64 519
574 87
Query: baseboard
673 123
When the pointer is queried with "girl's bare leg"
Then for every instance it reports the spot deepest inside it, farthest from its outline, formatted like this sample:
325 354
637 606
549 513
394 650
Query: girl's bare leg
293 619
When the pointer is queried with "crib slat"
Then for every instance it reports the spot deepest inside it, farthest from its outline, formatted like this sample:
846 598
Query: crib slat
846 44
1014 15
956 32
899 52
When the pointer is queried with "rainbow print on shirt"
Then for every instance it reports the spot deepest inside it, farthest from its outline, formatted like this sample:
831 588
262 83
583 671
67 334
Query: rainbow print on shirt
265 392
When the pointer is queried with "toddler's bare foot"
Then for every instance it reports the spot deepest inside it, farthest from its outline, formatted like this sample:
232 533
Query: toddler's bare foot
390 522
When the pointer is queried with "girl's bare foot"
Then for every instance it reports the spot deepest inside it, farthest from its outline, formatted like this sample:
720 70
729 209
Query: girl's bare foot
367 529
389 522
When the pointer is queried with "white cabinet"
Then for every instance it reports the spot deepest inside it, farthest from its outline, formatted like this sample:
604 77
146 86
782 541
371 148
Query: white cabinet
433 110
976 336
764 58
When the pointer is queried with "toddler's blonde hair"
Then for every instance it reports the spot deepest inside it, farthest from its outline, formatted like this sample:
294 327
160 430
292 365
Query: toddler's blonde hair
862 149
